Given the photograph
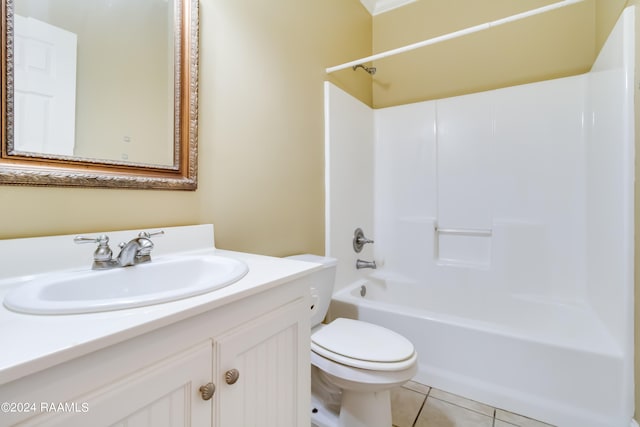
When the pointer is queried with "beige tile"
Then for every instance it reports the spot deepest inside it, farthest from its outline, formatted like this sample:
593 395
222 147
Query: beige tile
420 388
518 420
438 413
461 401
405 405
498 423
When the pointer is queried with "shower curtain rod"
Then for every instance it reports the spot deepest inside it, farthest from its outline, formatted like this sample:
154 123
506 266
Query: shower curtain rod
455 34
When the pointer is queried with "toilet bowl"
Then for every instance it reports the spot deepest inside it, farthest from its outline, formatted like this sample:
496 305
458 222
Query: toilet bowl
354 363
364 361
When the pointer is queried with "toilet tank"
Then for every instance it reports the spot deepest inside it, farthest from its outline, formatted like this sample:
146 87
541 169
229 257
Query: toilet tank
321 285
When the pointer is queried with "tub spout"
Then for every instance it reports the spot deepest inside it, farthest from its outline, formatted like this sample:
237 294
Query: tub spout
365 264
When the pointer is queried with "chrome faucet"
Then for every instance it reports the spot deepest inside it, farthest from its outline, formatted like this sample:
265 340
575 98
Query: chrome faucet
365 264
136 251
129 252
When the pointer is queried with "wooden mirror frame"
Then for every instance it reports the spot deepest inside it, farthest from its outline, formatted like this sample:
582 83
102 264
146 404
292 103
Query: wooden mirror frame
43 170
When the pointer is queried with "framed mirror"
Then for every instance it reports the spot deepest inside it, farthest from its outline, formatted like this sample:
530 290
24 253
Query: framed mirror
100 93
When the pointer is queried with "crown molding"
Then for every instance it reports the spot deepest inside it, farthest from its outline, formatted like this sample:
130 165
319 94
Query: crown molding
376 7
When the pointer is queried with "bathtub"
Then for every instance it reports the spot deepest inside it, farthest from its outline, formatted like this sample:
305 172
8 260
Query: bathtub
528 356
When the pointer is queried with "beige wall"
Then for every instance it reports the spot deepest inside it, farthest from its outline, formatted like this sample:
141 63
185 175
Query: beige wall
261 134
607 14
261 116
550 45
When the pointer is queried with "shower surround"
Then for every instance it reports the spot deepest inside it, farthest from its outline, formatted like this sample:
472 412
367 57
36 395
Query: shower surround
503 223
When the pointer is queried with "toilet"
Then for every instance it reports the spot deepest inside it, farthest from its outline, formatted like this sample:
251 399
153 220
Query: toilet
355 364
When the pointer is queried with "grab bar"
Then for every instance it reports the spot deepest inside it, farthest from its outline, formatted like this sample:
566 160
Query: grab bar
464 231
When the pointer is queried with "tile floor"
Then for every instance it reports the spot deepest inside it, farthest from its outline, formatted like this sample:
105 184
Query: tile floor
417 405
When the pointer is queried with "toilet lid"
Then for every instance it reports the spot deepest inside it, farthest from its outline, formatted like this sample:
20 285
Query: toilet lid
356 343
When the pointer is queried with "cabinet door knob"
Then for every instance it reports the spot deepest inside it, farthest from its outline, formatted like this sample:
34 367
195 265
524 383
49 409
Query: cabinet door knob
231 376
207 390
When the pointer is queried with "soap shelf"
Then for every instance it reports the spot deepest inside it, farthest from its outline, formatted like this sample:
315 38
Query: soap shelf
464 231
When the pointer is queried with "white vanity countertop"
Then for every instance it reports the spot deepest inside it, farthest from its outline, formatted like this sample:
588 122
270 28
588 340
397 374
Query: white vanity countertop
31 343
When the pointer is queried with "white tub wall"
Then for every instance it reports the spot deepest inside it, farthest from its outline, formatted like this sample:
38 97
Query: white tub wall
610 157
405 186
511 160
349 180
538 208
465 162
508 161
610 191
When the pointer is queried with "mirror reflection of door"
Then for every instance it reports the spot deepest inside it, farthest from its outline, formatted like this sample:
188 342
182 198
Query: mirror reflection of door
44 87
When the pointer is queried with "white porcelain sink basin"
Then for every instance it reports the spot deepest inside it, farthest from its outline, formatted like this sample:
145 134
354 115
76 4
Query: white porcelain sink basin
89 291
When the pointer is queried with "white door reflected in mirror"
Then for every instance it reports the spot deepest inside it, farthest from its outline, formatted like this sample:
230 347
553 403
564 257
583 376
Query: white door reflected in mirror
45 87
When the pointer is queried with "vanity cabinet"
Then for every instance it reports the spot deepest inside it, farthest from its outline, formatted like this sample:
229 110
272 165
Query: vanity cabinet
258 373
255 352
159 395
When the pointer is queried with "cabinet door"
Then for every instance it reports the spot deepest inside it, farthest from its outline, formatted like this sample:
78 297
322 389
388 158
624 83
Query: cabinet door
166 394
271 356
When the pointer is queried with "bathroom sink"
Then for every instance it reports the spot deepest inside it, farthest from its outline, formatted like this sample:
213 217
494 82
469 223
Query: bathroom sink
88 291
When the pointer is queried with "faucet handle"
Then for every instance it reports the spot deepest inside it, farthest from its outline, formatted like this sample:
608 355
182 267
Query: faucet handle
103 245
147 234
102 239
146 245
359 240
103 254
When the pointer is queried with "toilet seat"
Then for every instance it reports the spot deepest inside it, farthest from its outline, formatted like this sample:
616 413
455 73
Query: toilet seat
363 345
